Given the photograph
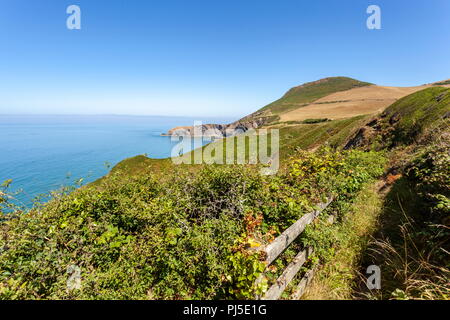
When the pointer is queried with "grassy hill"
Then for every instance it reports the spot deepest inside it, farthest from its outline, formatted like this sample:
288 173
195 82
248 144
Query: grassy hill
311 91
404 219
417 112
292 137
155 230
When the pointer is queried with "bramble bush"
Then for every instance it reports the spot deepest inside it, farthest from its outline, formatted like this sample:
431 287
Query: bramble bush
186 237
428 175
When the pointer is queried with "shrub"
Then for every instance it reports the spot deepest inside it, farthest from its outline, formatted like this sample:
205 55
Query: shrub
311 121
181 238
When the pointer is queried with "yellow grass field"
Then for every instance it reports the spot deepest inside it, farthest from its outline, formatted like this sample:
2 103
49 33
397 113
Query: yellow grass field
350 103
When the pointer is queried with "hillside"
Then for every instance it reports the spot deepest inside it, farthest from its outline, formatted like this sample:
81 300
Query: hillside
309 92
405 121
336 98
155 230
350 103
347 102
332 98
296 97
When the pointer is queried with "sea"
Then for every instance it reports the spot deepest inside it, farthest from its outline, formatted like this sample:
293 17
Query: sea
42 153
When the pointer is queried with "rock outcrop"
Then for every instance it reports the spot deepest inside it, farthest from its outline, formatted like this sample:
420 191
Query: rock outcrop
220 130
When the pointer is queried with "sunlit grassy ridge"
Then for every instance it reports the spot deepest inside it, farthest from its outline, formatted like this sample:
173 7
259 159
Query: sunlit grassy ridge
307 136
292 137
417 112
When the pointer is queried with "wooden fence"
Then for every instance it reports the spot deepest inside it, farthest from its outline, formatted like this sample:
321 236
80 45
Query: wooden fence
279 245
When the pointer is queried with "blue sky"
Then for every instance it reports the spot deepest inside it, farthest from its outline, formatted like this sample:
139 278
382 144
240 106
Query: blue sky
207 58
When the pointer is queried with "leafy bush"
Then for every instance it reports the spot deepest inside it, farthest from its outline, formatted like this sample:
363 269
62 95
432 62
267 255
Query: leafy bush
311 121
429 173
442 83
185 237
406 120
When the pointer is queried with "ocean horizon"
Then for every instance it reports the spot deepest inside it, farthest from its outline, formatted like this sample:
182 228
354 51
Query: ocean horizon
42 153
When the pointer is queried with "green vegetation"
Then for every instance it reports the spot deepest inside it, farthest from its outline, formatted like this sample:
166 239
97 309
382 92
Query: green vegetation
306 121
309 92
334 133
154 230
185 237
413 243
411 115
411 237
338 275
311 121
443 83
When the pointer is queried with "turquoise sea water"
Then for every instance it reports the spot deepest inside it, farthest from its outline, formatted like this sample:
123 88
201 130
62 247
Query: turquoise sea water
43 153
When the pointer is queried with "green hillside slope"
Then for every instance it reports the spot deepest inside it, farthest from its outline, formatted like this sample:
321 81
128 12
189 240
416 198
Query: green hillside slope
418 111
155 230
311 91
409 216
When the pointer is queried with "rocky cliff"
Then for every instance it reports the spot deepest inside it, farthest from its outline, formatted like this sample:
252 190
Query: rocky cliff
221 130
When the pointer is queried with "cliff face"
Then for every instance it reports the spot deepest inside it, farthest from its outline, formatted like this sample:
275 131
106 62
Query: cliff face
220 130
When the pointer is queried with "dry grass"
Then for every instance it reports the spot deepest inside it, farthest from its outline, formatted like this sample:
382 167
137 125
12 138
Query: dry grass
350 103
406 264
408 271
421 278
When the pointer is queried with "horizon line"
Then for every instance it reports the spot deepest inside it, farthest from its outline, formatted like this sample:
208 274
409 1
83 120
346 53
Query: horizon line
113 115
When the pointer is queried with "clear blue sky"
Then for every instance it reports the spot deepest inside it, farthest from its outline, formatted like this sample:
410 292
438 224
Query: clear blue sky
210 58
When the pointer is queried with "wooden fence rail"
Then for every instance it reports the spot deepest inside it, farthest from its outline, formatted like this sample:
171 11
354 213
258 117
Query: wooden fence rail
279 245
